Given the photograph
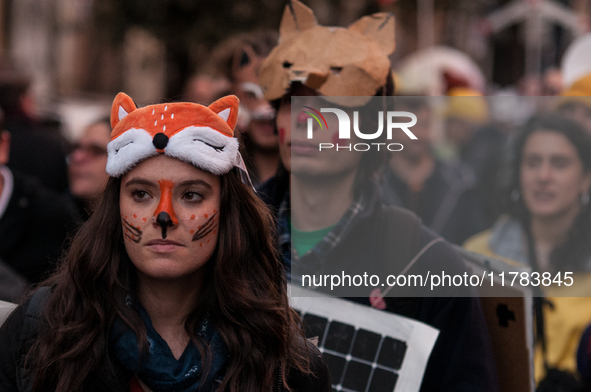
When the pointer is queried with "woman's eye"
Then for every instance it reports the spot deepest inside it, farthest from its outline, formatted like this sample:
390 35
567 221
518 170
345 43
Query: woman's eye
532 162
561 163
140 195
192 196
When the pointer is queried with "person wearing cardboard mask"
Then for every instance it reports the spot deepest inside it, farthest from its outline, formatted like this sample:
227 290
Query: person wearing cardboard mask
327 204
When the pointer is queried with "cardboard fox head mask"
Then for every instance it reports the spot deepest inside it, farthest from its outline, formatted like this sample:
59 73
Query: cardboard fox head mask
334 61
196 134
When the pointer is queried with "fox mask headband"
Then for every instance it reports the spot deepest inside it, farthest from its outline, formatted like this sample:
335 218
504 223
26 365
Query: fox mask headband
196 134
334 61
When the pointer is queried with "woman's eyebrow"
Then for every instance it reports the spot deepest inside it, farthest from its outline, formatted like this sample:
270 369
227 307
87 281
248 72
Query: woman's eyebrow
139 181
195 182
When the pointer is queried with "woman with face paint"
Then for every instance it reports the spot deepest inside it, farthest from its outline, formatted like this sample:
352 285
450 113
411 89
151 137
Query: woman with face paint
173 284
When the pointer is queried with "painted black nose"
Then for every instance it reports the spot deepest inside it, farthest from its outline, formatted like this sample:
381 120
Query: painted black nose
163 219
160 141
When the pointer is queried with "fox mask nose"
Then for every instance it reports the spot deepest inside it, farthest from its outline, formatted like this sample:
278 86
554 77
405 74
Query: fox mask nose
164 220
160 141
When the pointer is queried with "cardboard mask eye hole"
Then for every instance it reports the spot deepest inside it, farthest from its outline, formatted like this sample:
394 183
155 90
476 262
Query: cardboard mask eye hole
287 64
336 70
244 59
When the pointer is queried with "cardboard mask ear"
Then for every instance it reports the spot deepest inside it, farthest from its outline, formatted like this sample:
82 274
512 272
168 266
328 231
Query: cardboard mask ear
227 108
380 28
296 18
122 106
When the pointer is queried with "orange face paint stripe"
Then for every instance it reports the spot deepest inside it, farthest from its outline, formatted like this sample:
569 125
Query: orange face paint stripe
165 204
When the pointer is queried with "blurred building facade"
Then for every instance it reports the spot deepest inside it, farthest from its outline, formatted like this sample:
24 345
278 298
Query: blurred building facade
150 48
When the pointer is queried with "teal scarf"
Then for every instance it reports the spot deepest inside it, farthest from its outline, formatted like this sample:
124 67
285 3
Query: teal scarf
159 369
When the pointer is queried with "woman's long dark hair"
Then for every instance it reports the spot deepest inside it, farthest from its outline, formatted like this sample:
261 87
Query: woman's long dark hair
244 295
577 248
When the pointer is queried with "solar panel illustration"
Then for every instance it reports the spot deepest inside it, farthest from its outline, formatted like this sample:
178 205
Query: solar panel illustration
366 350
358 360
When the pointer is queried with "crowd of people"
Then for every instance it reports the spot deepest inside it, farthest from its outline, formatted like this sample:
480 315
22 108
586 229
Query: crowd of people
154 253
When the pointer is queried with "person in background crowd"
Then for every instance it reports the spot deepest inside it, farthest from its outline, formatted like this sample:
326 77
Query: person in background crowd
34 221
548 226
584 357
36 151
477 143
12 284
575 102
328 206
86 166
551 82
173 283
203 88
238 60
442 194
575 94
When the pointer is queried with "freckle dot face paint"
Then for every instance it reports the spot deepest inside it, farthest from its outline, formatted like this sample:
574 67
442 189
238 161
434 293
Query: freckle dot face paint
206 228
132 232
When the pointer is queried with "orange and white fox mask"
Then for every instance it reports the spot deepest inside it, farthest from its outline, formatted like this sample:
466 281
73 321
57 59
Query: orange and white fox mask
196 134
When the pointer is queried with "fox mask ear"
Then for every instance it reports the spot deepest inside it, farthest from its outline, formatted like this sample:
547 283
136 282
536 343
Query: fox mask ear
379 27
296 18
227 108
122 106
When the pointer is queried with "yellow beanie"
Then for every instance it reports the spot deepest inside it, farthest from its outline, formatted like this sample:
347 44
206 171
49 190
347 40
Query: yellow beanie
579 92
466 104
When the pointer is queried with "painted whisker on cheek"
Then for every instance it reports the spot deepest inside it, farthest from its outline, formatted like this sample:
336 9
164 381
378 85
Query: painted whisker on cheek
136 233
207 228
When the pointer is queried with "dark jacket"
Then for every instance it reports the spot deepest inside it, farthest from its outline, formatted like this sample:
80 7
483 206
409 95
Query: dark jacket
484 154
448 203
33 229
462 358
38 152
21 328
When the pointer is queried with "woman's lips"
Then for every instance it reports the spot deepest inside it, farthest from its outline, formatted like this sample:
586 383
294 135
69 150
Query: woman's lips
543 196
303 148
163 246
